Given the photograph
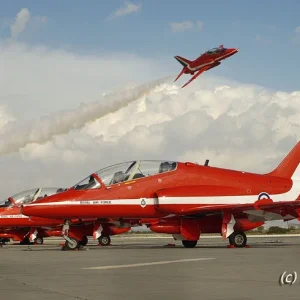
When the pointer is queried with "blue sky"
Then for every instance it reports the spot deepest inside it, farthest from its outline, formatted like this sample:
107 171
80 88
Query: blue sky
265 32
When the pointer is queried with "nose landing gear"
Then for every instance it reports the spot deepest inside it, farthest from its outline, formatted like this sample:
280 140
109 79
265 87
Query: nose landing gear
71 243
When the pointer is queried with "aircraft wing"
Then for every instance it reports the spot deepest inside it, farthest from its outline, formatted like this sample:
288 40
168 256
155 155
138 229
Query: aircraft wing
197 74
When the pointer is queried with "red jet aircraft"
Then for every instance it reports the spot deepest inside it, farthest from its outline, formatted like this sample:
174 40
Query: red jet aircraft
182 199
16 226
204 62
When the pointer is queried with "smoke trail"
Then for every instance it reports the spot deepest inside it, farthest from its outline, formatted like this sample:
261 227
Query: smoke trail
17 135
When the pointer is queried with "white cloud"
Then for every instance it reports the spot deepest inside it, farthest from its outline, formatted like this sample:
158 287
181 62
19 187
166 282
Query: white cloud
297 30
181 26
23 20
186 25
5 118
127 9
39 81
19 25
67 121
49 152
222 123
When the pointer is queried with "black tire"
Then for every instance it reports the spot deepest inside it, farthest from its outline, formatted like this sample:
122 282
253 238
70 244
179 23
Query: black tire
189 244
238 239
73 245
104 240
84 241
39 240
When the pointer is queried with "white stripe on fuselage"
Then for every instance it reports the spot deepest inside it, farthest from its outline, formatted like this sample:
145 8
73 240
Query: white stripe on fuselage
243 199
13 217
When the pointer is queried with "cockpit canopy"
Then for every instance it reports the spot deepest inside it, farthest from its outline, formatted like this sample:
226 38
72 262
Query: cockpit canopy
30 196
125 172
215 50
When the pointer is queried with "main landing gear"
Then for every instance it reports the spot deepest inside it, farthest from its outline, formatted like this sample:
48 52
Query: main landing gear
189 244
39 240
238 239
104 240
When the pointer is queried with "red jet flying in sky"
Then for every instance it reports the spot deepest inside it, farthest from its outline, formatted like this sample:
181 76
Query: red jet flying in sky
204 62
182 199
18 227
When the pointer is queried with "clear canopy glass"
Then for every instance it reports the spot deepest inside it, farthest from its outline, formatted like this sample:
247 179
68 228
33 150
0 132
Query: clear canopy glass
213 51
29 196
125 172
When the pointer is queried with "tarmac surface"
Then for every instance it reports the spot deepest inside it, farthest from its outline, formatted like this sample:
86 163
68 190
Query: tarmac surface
143 268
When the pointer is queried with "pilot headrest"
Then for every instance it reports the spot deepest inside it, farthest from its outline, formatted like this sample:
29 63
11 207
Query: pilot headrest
166 166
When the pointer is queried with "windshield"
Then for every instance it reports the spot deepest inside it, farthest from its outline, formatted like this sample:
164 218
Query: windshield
34 194
213 51
125 172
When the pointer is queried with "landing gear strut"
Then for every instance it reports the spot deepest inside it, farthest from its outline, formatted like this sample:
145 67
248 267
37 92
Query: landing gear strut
104 240
238 239
71 244
189 244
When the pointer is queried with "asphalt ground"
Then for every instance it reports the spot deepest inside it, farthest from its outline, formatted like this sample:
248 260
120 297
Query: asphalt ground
143 268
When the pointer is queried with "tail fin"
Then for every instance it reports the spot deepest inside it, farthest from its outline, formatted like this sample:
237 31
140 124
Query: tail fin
289 164
184 62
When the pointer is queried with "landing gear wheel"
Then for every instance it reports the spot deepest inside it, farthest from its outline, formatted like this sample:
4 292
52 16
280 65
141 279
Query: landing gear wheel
104 240
39 240
71 245
189 244
238 239
84 241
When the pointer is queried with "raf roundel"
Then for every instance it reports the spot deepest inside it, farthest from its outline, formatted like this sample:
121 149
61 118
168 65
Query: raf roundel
263 195
143 203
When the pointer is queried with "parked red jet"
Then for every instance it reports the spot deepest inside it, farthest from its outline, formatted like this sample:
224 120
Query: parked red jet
204 62
14 225
182 199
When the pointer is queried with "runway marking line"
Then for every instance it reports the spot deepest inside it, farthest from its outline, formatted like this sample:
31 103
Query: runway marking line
147 264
